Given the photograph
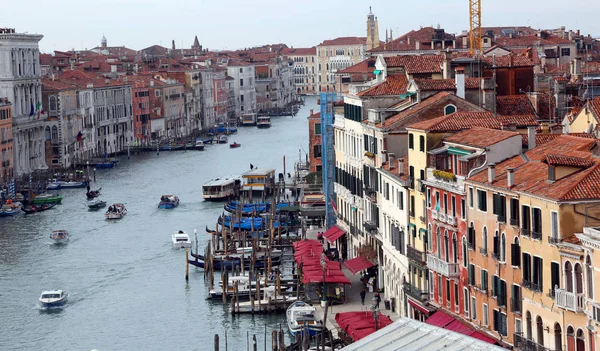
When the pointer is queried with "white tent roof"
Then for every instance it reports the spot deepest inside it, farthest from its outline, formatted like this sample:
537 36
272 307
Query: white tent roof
408 334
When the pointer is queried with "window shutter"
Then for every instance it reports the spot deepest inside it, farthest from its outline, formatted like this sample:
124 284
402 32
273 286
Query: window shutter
496 245
495 204
515 253
555 274
502 298
472 236
496 319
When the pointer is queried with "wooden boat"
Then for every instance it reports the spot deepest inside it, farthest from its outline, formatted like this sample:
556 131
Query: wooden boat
234 145
46 199
53 298
59 236
10 209
116 211
195 145
210 231
302 317
93 194
168 201
40 208
270 302
96 204
222 139
56 184
263 122
104 165
171 147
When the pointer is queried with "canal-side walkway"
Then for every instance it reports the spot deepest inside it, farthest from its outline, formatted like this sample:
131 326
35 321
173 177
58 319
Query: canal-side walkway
352 291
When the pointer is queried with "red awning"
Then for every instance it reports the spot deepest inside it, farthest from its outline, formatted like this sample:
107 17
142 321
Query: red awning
333 233
358 264
418 307
439 319
360 324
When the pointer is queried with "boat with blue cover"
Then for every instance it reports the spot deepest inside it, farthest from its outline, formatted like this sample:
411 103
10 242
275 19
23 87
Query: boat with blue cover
247 209
168 201
250 223
56 184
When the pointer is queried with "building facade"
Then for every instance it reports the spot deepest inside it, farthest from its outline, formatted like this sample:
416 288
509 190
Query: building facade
6 141
315 142
244 86
337 54
305 69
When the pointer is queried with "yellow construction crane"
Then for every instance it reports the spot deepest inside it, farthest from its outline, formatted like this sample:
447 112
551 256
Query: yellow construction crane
475 26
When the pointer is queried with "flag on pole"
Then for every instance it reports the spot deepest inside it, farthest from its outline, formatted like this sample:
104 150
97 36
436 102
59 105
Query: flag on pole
39 109
80 136
334 207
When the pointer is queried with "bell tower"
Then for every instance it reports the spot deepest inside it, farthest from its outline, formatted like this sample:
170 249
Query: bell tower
372 31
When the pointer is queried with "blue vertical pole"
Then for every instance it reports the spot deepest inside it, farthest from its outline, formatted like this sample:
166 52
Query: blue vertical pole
328 156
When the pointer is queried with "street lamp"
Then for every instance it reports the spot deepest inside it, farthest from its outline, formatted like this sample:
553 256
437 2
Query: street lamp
324 292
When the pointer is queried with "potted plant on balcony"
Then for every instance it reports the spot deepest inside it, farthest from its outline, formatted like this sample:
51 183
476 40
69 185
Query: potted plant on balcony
369 154
443 175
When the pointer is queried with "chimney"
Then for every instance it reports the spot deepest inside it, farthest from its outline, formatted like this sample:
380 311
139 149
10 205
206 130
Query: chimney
465 41
417 45
577 67
531 137
408 40
491 173
72 65
447 64
510 177
460 82
400 166
392 160
311 112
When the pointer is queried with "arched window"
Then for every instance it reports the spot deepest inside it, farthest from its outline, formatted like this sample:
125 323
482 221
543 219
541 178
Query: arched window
528 326
449 109
568 276
580 340
540 330
589 272
54 133
429 242
484 242
516 254
454 249
503 248
52 101
570 338
557 337
446 246
438 243
578 279
465 252
47 134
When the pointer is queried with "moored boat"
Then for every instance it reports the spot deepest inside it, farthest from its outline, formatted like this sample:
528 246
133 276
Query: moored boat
59 236
234 145
46 199
93 194
263 122
222 139
115 211
56 184
53 298
220 188
10 209
181 240
96 204
34 208
302 317
168 201
248 119
104 165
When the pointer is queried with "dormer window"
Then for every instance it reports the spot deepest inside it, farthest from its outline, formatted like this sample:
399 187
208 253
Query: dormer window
449 109
551 173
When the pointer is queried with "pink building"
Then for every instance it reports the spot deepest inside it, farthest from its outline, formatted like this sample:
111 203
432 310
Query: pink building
220 93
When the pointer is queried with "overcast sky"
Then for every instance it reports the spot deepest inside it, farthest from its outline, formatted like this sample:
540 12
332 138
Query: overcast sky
233 24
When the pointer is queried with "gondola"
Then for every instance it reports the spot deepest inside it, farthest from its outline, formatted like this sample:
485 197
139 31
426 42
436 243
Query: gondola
93 194
34 208
210 231
234 145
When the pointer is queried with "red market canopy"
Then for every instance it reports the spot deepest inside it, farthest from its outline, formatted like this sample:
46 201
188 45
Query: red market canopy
303 243
333 233
360 324
332 279
444 320
358 264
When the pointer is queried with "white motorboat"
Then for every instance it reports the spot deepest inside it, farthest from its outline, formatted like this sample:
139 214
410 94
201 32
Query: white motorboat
116 211
56 184
53 298
222 139
263 122
96 204
59 236
245 288
302 317
267 304
181 240
220 188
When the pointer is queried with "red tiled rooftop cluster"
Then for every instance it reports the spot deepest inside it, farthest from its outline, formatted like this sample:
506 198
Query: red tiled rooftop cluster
393 85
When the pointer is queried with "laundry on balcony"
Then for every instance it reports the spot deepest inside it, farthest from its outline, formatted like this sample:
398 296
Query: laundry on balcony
358 264
333 233
444 320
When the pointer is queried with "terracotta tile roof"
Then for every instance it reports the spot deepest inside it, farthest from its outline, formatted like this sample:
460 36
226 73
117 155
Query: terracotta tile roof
365 66
480 137
570 161
300 51
531 40
473 83
573 239
531 175
582 135
58 84
590 67
503 31
465 120
45 59
508 61
344 41
539 139
393 85
407 42
594 105
514 105
414 64
435 84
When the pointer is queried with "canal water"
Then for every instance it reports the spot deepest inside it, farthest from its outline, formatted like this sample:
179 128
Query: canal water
126 285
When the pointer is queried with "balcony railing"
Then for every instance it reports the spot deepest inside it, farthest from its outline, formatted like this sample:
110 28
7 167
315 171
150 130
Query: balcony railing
531 286
413 291
442 217
370 227
514 221
551 293
434 214
525 344
553 240
451 220
415 255
444 268
483 251
525 232
481 289
536 235
569 300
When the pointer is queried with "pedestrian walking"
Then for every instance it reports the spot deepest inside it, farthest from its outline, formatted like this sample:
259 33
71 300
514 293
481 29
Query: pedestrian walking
378 298
363 293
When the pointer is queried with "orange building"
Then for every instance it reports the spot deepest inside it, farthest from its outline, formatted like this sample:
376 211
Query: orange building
314 141
6 141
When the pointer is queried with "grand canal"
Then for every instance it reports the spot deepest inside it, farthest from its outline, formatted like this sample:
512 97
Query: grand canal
126 284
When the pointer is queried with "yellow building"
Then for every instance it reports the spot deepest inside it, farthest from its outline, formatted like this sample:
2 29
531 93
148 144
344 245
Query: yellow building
545 195
305 69
587 120
337 54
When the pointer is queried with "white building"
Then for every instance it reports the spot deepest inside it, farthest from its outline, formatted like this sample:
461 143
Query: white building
243 86
20 82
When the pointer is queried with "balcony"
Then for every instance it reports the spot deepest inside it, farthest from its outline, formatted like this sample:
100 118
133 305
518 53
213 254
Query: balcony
525 232
354 89
442 217
524 344
531 286
481 289
451 220
501 219
552 240
536 235
415 255
514 221
413 291
483 251
371 195
435 214
569 300
370 227
421 186
444 268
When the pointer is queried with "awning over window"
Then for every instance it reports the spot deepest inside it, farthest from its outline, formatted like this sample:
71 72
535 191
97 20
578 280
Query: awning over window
333 233
404 96
446 321
358 264
418 307
458 151
377 71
